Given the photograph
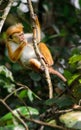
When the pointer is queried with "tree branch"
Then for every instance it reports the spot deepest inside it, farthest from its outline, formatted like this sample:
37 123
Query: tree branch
9 95
17 117
22 86
47 75
41 122
6 11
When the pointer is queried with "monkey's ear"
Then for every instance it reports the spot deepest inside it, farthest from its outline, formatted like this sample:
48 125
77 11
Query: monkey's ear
9 38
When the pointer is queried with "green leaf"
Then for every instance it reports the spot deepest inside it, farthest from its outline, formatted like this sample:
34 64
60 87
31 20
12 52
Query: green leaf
4 71
50 101
30 95
9 87
79 80
62 102
72 120
80 3
52 122
26 111
66 11
23 94
67 74
75 76
63 32
74 59
6 79
12 127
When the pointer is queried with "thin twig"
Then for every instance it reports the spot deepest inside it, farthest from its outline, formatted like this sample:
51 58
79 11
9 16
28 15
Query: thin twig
22 86
47 75
26 87
6 11
22 101
17 117
9 95
40 122
15 92
54 111
30 7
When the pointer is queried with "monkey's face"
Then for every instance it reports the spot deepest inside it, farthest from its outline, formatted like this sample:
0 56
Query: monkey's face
18 37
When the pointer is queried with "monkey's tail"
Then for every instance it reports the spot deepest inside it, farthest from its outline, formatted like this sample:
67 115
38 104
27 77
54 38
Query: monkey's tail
52 71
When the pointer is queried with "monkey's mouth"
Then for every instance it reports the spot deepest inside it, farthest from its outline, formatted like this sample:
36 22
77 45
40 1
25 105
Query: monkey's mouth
22 38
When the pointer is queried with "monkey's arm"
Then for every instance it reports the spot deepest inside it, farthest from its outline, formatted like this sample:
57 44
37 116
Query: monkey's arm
15 55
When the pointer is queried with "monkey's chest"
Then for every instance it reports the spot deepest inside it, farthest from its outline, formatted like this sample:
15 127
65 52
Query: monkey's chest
27 54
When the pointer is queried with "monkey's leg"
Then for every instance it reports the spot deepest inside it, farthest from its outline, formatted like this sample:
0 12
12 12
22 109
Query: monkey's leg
35 64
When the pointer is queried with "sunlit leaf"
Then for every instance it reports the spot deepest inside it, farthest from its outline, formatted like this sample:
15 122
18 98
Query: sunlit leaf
52 122
75 76
72 120
67 74
79 80
4 71
12 127
26 111
30 95
23 94
74 59
6 79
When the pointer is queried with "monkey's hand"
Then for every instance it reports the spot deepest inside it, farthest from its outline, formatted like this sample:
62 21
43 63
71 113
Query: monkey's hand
15 55
23 44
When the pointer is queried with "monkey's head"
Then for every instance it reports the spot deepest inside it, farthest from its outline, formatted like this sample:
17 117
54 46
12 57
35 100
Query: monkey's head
15 33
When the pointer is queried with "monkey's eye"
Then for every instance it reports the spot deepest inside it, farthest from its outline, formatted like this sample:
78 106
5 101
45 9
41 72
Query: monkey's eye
10 37
21 34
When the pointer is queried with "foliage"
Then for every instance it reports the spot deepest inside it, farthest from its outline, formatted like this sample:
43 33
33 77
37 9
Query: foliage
9 119
26 91
72 119
74 73
6 79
